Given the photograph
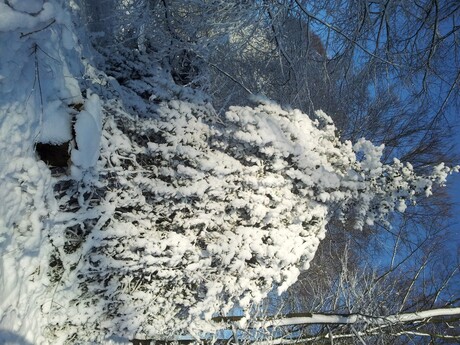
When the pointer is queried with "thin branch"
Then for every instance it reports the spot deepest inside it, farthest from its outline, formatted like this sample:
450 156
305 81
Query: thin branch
229 76
420 245
38 30
330 335
433 43
441 108
412 283
358 335
444 285
340 32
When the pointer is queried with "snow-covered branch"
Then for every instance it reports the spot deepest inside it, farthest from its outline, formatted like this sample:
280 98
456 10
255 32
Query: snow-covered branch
342 319
371 325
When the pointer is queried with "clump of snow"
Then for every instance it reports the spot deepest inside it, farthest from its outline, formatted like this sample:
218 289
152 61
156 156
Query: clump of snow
56 121
28 6
88 129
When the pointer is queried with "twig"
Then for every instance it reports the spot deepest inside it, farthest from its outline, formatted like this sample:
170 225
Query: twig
229 76
339 32
38 30
37 76
358 335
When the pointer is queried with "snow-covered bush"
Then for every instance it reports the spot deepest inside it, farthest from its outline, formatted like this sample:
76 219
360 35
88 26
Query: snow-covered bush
194 214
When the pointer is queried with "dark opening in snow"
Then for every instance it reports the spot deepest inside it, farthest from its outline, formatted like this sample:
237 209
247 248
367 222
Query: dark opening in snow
55 155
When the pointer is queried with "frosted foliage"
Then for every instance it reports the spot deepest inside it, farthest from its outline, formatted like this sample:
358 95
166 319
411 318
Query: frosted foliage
199 216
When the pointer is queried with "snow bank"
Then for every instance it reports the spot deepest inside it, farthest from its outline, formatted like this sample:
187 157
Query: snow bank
37 85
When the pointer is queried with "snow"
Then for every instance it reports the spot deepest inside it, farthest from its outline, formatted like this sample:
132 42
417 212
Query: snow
11 19
28 6
169 215
55 127
88 131
36 87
